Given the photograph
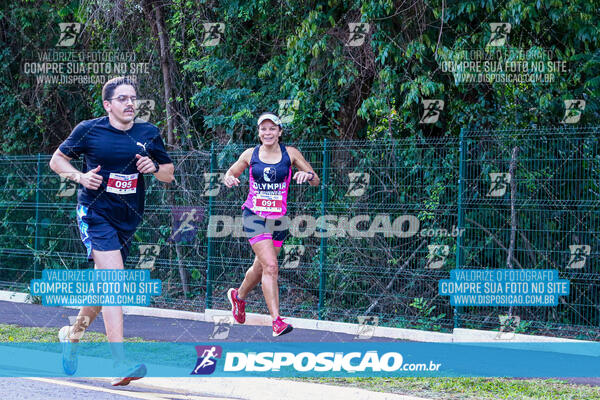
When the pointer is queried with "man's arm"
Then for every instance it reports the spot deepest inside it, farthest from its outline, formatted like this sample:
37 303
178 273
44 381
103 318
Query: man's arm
165 173
61 164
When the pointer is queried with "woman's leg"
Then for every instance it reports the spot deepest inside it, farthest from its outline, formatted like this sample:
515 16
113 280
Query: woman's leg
253 276
266 254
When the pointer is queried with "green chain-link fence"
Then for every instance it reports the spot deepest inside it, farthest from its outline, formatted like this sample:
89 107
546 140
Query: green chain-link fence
393 210
535 194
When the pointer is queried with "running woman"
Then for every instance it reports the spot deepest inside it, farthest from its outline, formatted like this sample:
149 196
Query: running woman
270 175
117 151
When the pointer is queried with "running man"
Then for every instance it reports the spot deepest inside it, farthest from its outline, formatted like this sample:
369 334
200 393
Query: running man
270 175
117 152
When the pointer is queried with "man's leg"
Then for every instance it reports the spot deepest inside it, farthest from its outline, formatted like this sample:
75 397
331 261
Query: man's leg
113 322
87 314
113 315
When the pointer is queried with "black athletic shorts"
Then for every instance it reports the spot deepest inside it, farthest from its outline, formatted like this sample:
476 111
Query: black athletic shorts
258 228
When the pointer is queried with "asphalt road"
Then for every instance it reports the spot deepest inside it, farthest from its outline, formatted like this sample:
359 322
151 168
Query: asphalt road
185 388
62 389
165 329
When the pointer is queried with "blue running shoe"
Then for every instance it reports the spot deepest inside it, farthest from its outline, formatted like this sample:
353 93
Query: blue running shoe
69 351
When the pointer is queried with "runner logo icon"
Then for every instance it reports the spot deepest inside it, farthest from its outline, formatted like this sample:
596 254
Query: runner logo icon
213 32
366 326
579 255
67 187
68 33
186 222
221 328
500 182
358 183
431 111
144 110
207 359
573 111
499 33
358 33
148 255
293 254
287 110
212 183
437 255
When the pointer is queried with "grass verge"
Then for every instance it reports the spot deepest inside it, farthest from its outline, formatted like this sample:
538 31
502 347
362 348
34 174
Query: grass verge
471 388
14 333
159 353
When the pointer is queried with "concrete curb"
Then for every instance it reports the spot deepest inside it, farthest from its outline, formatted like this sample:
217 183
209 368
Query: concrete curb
473 335
338 327
163 313
15 297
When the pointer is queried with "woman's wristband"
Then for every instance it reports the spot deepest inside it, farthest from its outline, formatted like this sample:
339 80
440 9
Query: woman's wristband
312 176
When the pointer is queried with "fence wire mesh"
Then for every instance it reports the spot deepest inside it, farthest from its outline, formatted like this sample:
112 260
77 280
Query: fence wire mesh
373 239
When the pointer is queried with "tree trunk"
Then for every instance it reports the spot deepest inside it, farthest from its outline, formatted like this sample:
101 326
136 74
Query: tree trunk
153 12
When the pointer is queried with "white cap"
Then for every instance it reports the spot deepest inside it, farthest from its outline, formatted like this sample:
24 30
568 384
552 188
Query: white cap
271 117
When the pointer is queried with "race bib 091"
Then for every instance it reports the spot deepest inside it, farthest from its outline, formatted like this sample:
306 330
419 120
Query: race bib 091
268 203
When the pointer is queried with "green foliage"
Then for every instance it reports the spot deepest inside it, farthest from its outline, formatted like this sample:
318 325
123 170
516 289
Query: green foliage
298 51
426 320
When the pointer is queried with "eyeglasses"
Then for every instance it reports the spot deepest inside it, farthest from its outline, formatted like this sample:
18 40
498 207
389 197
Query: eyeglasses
124 99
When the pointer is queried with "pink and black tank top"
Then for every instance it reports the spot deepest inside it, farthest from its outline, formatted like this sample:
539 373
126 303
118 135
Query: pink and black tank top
269 185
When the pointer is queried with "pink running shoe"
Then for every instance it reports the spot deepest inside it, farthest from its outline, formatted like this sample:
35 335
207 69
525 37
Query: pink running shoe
238 307
133 374
280 327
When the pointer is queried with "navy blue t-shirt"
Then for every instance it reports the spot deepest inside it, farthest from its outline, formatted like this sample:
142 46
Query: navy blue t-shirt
114 150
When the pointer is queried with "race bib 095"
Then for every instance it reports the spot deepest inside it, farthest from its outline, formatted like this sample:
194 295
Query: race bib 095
122 184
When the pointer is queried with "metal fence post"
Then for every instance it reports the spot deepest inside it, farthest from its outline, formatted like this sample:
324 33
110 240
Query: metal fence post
461 218
209 244
36 240
323 247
